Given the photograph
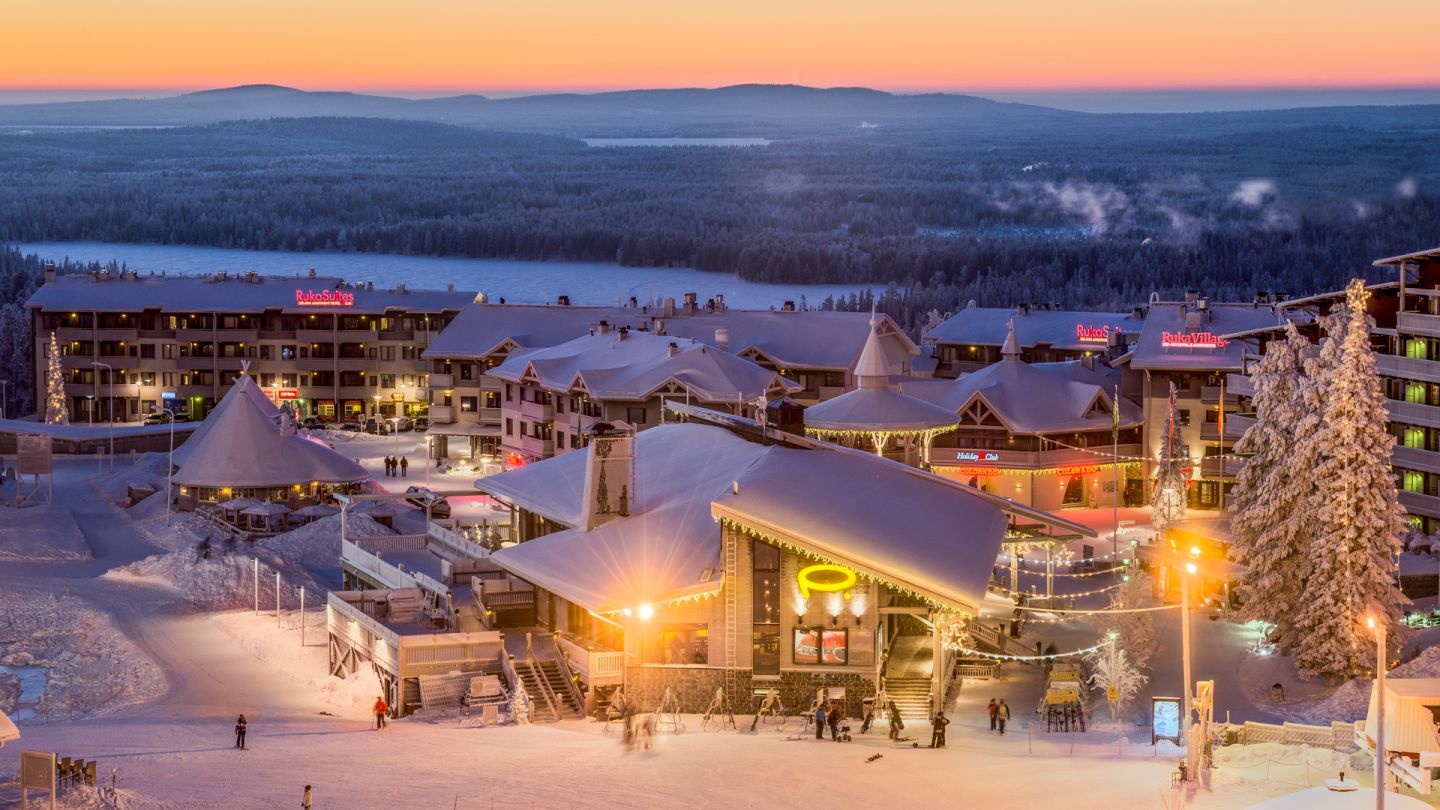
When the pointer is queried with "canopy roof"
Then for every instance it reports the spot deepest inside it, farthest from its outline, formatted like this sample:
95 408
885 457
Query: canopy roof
1409 723
244 447
875 406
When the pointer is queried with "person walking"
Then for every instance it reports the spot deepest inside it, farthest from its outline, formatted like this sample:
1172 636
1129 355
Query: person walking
819 719
896 724
1002 713
240 725
833 718
404 466
381 709
387 466
937 730
307 802
993 709
868 710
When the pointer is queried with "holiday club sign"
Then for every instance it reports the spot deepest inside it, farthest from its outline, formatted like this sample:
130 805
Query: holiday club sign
1192 340
976 455
324 298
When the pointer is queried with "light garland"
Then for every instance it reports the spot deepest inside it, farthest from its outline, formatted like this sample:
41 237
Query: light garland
1096 612
1024 570
678 600
829 434
1068 469
1003 657
1009 592
1022 546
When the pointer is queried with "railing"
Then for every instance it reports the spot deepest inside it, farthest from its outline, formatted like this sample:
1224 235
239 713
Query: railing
976 668
1240 384
577 696
537 447
442 414
455 544
390 575
1420 503
441 381
1413 413
1415 458
345 620
1338 736
1221 467
1418 323
537 411
391 543
1410 368
596 667
1210 395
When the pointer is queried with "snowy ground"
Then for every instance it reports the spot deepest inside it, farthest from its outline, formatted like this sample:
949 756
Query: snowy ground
40 533
458 476
141 618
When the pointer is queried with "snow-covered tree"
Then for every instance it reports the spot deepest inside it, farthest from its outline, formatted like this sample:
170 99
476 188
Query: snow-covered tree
1169 496
1273 500
1137 630
57 408
1359 520
1111 671
520 706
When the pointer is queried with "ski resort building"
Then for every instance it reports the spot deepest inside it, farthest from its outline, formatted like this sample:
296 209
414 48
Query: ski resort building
552 396
973 337
813 348
1050 435
132 343
719 553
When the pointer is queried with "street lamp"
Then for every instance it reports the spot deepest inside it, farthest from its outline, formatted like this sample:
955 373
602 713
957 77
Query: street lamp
1380 775
1188 571
111 371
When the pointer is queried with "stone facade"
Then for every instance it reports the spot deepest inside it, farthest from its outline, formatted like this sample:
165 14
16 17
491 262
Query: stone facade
694 686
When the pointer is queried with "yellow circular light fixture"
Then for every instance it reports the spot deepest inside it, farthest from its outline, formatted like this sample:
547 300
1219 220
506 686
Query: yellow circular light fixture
807 581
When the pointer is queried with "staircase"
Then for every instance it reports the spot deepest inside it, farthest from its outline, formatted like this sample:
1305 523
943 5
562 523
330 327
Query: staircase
560 688
533 681
911 696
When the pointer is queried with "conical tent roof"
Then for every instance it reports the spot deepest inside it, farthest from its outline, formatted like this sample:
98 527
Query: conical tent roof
245 448
244 390
875 405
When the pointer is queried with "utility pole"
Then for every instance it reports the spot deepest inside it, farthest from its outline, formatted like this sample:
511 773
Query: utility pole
256 563
1380 765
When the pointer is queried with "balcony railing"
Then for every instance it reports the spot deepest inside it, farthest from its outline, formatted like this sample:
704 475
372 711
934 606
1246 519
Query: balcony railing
1032 460
1241 384
1221 467
1415 458
1418 323
1420 504
1210 395
315 335
237 335
1210 431
1413 413
537 412
1408 368
117 334
442 414
315 363
441 381
543 448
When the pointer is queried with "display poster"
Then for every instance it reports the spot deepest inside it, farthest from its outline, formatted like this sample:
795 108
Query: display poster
1165 719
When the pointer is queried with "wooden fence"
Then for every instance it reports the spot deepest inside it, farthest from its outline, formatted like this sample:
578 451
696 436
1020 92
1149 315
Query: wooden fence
1337 736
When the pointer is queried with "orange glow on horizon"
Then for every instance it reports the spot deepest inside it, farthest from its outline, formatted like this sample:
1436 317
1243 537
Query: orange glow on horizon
908 45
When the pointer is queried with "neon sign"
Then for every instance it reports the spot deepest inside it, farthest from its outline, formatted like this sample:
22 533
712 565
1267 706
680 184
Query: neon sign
287 393
807 581
1192 340
978 471
976 455
1078 469
1093 334
324 298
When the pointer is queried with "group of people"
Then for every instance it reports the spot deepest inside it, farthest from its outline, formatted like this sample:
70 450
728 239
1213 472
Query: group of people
999 713
392 464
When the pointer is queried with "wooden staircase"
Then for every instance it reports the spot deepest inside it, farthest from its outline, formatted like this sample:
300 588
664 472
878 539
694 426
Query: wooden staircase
907 676
535 686
566 707
911 696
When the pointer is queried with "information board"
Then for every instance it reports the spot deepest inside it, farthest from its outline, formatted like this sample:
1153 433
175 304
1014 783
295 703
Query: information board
1165 719
32 454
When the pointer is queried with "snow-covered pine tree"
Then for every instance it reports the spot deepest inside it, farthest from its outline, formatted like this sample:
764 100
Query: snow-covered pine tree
1274 497
1170 493
1359 518
1137 630
1112 671
57 408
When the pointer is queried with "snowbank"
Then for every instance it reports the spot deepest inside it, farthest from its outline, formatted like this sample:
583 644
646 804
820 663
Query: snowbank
147 471
41 533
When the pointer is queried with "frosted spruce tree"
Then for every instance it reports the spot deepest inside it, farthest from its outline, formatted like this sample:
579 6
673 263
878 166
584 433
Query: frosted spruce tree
1169 496
57 409
1112 672
1359 519
1274 497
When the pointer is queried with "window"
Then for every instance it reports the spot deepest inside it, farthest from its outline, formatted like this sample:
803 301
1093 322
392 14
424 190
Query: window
387 380
167 379
147 378
679 644
1413 481
1415 392
635 416
467 371
1182 416
509 427
467 404
509 392
765 610
1414 437
817 645
1416 348
167 351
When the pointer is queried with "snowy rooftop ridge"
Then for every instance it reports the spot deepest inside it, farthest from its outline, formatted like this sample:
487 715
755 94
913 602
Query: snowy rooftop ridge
1074 330
876 404
1034 398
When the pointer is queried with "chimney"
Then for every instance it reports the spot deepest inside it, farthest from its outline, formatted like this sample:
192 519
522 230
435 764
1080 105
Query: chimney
719 302
673 350
1023 309
451 287
659 326
562 301
312 272
788 306
604 327
49 272
722 339
609 475
1138 313
400 288
624 332
1191 296
634 302
689 303
1202 304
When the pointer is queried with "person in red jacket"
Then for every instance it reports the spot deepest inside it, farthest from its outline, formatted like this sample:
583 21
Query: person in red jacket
381 709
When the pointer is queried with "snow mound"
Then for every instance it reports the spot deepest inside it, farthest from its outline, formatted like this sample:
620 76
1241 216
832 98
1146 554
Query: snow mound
1347 704
1424 665
147 471
316 546
41 533
222 582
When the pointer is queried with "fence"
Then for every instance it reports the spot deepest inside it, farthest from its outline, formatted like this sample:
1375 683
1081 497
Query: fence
1336 736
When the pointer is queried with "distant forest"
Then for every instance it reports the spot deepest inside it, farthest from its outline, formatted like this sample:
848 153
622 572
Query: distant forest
1080 210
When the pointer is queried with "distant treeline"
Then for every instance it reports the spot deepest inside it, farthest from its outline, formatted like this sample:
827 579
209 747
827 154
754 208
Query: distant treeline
1097 214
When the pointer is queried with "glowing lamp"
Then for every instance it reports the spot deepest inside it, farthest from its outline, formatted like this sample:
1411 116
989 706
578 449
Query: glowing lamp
835 578
1190 567
646 611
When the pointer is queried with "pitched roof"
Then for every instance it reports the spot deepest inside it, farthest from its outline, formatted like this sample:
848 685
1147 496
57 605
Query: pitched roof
1034 398
1180 337
875 405
1061 329
244 389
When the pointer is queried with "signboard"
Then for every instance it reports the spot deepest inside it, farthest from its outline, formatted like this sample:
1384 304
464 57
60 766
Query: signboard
287 393
168 395
1112 694
1093 334
1078 469
976 455
32 455
1165 719
397 397
324 298
37 772
1192 340
1060 696
814 646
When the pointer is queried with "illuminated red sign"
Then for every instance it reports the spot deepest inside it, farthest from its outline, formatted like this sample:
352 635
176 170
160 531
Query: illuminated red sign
324 298
1192 340
1093 334
287 393
514 460
1078 469
977 470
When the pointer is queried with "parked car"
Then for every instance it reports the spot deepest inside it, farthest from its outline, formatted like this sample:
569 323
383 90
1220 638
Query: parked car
380 427
422 423
439 507
312 423
404 423
181 417
351 427
159 418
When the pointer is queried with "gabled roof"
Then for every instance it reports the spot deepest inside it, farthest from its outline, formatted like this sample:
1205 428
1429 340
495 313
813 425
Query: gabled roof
634 365
235 293
1167 343
1061 329
1034 398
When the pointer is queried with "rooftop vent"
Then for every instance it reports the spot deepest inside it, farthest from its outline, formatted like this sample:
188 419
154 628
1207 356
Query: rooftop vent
562 300
400 288
604 327
672 350
312 272
722 338
788 306
668 309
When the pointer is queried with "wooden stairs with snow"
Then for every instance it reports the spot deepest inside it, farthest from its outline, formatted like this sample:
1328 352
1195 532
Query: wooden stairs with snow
907 676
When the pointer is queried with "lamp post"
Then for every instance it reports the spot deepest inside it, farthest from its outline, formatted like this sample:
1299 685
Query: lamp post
1380 775
1185 574
111 372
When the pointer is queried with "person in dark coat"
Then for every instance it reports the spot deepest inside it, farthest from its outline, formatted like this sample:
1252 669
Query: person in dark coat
819 719
833 718
1002 713
307 802
404 466
387 466
869 711
993 709
896 724
937 730
240 732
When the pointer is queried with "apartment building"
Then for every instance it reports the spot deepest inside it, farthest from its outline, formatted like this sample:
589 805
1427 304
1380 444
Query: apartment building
553 396
815 349
131 344
973 337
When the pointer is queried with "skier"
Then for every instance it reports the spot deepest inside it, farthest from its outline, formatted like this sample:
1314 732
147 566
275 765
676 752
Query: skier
404 466
992 708
868 710
381 708
307 801
240 732
1002 713
819 720
896 724
937 730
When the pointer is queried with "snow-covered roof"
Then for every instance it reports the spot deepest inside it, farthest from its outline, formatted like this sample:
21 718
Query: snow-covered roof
1034 398
804 339
1060 329
242 390
266 508
83 432
635 365
911 529
875 405
236 293
8 729
244 447
1180 337
663 551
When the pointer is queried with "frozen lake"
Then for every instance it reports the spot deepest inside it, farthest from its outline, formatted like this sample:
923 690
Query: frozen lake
517 281
617 142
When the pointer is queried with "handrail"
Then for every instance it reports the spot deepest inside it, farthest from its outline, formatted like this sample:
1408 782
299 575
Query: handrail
571 682
391 575
545 691
454 543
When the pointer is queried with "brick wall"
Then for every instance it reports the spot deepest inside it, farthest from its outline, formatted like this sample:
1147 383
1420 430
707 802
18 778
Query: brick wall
694 686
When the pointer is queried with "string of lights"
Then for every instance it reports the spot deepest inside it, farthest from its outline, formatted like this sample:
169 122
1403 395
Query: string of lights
1098 612
1052 657
1070 595
1024 570
1112 456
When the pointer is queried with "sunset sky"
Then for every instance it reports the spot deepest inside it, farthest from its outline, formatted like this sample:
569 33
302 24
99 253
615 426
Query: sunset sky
475 45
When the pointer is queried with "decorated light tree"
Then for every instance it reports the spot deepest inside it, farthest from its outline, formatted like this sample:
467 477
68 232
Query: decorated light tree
1112 672
1274 497
1169 496
57 409
1136 629
1359 520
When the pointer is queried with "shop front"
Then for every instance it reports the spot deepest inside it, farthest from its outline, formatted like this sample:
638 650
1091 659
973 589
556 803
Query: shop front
1043 484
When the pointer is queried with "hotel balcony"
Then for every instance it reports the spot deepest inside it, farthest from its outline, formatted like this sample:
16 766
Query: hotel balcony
442 414
187 391
1241 384
1417 503
230 363
1220 467
485 383
536 412
195 335
1415 458
237 335
77 360
1418 323
355 336
356 363
314 335
1210 394
1408 368
167 334
1210 431
116 334
489 416
315 363
544 448
195 363
277 334
1413 413
440 382
397 334
66 334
